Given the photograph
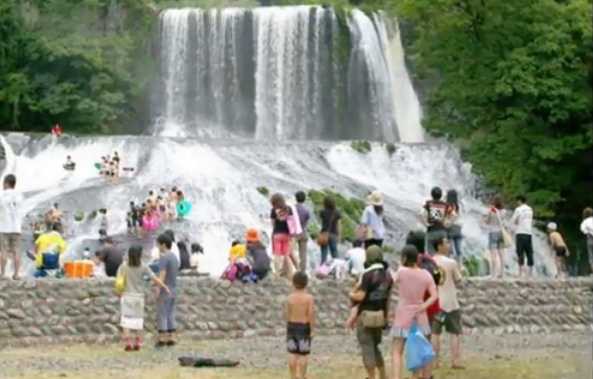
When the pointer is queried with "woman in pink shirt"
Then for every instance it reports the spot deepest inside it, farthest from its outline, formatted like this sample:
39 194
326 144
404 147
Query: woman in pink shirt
413 282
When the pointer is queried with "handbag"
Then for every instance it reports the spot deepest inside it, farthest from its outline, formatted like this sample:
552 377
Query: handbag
373 319
120 284
419 351
507 239
323 239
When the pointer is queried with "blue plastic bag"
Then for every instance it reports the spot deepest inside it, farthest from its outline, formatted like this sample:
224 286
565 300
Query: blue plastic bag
419 350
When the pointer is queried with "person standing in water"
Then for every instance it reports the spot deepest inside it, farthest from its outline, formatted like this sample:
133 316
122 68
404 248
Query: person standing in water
303 239
434 216
495 224
372 226
454 225
522 221
10 226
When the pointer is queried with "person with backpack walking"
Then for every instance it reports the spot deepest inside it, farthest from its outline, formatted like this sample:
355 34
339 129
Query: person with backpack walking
130 276
370 300
434 215
330 229
522 221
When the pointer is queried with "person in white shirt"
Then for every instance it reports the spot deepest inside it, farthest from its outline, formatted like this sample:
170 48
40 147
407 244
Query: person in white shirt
522 222
10 225
355 258
450 316
587 230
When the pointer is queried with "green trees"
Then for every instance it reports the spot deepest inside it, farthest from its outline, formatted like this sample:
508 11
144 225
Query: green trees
71 62
512 81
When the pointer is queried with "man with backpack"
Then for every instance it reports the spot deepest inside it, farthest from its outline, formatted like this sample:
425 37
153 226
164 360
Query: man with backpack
434 214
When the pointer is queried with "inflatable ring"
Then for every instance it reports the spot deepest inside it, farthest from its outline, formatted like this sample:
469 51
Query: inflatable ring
183 208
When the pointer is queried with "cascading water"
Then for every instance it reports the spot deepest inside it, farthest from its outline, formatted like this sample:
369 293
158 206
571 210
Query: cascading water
283 72
221 179
294 74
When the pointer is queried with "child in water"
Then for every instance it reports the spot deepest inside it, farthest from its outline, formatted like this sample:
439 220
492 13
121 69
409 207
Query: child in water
300 318
132 298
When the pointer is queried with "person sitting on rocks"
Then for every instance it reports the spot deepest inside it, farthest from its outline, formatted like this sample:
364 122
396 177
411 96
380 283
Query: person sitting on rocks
48 248
257 255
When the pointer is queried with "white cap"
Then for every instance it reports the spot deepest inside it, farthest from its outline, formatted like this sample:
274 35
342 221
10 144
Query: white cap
552 226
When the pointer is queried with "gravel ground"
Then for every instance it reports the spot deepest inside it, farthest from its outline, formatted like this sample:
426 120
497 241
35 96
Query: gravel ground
567 355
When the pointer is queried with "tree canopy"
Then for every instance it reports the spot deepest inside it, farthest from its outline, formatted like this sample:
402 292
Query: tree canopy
512 82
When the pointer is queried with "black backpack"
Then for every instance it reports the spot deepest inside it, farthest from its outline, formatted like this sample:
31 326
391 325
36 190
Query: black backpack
429 264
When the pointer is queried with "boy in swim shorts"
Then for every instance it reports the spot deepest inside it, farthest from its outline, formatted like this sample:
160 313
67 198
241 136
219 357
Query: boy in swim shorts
300 318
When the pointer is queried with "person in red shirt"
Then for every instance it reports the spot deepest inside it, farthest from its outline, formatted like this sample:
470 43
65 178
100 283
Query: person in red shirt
56 130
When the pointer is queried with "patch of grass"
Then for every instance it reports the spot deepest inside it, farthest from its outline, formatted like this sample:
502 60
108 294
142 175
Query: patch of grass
350 208
361 146
472 265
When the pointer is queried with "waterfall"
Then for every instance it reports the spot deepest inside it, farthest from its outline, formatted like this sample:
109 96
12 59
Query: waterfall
283 73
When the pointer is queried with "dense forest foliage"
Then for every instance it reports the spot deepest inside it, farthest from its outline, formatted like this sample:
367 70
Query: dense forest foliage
510 82
86 64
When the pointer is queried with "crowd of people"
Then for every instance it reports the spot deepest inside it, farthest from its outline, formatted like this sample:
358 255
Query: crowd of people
427 277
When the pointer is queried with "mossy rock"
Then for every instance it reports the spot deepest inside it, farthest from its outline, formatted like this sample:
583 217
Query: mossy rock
391 149
362 146
264 191
79 216
92 215
350 208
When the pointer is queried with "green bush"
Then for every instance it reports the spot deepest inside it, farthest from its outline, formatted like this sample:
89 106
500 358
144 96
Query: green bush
361 146
350 208
472 265
264 191
391 149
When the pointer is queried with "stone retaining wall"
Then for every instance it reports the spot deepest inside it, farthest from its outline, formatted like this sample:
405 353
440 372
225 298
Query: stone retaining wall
49 311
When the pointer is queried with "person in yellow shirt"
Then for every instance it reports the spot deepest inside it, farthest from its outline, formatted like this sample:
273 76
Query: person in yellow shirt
48 246
238 251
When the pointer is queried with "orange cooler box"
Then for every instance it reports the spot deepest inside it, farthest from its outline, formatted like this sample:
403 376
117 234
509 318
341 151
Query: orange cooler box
79 269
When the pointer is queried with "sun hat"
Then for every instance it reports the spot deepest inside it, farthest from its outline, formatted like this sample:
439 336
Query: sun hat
375 198
252 235
552 226
374 254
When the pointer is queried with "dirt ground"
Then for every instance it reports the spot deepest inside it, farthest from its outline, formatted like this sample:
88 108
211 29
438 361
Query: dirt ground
558 356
